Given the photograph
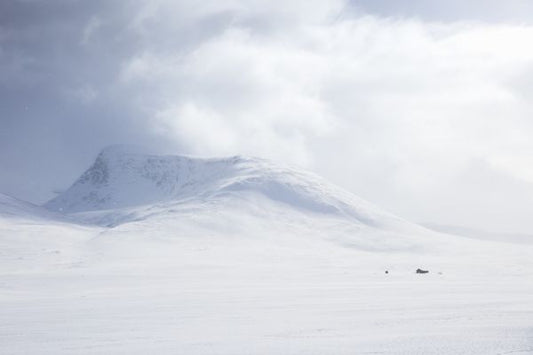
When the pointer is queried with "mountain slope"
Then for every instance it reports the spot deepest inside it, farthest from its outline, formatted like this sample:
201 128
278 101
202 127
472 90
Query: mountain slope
14 208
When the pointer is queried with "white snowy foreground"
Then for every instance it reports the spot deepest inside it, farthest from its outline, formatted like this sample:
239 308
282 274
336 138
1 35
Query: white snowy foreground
168 255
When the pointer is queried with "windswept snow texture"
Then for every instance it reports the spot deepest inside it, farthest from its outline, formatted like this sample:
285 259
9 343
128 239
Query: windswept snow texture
240 256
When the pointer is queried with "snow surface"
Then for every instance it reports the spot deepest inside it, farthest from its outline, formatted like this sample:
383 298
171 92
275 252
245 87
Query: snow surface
175 255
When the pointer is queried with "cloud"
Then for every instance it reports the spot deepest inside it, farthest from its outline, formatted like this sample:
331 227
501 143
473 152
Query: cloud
495 11
396 109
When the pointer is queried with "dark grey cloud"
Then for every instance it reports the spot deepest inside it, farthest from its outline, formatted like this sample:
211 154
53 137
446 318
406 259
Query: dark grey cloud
57 88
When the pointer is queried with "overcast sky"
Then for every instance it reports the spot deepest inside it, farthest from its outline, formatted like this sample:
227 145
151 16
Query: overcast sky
422 107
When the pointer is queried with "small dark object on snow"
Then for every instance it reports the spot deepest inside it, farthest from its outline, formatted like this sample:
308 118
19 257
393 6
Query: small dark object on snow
386 271
420 271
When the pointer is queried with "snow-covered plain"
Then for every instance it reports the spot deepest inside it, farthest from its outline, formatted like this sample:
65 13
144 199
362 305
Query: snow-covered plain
171 255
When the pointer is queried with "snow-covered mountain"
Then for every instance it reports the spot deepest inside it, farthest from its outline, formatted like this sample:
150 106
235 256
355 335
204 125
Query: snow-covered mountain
122 179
